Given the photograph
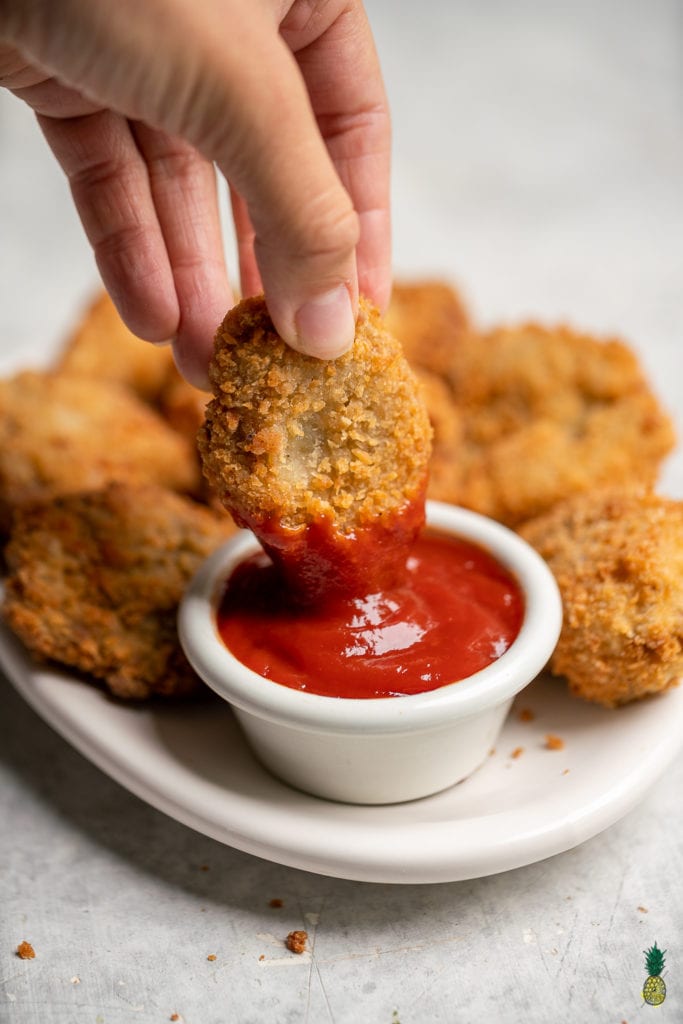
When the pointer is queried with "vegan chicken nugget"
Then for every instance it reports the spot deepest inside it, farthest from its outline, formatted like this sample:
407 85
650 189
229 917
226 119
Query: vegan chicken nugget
445 482
617 556
95 580
62 433
548 413
429 319
312 454
101 346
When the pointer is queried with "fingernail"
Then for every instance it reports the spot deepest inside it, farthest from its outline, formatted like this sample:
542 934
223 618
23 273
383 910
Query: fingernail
326 326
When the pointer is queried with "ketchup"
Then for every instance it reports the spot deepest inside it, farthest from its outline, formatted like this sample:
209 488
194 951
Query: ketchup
452 610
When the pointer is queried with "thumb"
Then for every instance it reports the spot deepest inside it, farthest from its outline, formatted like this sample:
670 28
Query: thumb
305 228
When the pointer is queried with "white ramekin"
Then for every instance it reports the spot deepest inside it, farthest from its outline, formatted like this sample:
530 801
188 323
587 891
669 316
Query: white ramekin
381 750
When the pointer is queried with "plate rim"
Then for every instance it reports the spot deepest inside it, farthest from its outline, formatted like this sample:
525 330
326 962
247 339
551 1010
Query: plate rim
386 863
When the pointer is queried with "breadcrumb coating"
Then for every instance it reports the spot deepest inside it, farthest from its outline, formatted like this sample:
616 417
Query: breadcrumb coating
101 346
95 580
617 556
303 438
548 413
445 478
298 442
429 318
61 433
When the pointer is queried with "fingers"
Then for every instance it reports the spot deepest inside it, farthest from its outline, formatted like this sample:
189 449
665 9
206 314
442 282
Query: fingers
220 75
111 190
183 188
305 227
244 230
148 205
340 67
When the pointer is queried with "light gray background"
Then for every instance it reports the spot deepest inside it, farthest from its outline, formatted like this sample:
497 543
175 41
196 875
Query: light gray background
538 162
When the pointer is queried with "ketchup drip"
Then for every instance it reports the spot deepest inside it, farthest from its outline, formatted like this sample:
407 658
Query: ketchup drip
441 613
317 560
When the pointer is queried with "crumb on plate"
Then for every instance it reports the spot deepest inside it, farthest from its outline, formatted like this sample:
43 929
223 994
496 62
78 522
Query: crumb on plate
296 941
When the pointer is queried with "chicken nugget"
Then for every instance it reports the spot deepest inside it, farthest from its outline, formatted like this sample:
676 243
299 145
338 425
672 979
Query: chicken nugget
445 482
182 405
617 556
429 319
95 580
325 460
548 413
61 433
101 346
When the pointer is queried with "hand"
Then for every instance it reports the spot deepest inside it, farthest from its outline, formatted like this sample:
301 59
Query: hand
138 99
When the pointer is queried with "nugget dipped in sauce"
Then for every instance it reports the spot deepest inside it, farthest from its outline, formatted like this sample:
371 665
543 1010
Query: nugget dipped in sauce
326 461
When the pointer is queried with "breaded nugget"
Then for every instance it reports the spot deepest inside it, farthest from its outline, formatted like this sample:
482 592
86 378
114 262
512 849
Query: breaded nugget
445 482
308 453
617 556
95 579
101 346
182 405
61 433
429 319
548 413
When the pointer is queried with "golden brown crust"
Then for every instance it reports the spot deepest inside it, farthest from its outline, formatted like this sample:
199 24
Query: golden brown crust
95 580
429 319
182 405
296 941
548 413
101 346
445 481
617 556
61 433
303 439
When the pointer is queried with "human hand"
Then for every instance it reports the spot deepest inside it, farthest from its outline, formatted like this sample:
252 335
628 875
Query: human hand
138 99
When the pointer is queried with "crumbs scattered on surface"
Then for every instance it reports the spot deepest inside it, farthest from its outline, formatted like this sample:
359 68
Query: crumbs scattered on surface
263 956
174 1016
526 715
25 951
296 941
517 752
492 751
75 980
203 867
553 742
211 956
277 903
566 771
643 910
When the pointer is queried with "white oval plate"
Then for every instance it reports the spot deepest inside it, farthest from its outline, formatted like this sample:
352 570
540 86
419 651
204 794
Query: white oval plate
192 763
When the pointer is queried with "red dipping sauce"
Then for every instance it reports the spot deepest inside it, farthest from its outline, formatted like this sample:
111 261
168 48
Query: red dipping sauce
455 610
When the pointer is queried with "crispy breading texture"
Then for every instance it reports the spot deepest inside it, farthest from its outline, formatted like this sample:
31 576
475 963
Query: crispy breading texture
302 439
61 433
95 580
548 413
429 318
617 556
101 346
445 480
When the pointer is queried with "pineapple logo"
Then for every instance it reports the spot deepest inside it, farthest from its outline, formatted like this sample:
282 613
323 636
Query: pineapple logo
654 989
